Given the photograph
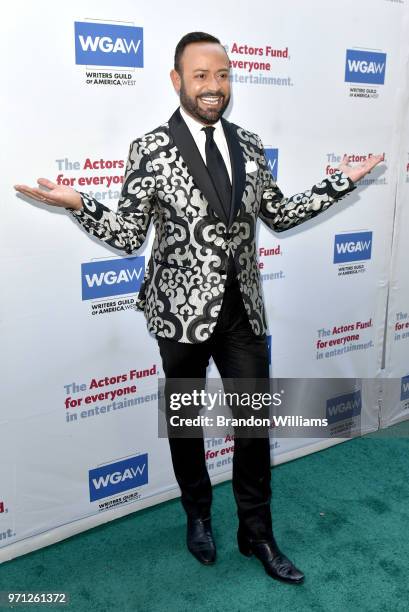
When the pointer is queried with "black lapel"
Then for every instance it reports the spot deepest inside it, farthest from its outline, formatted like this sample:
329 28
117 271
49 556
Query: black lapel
194 161
238 169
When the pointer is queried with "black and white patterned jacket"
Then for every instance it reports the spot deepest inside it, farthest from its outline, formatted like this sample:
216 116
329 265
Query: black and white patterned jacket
166 181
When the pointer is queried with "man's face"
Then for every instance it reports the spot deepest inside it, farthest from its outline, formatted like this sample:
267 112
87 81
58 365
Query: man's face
204 85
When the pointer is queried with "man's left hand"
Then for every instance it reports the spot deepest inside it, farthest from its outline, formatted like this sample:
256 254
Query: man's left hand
355 173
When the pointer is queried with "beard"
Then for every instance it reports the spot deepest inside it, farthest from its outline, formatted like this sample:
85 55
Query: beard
204 115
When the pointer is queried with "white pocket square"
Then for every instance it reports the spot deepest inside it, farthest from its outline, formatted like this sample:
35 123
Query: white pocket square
251 166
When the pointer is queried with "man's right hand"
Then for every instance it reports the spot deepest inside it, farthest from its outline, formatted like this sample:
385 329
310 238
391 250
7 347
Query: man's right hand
55 195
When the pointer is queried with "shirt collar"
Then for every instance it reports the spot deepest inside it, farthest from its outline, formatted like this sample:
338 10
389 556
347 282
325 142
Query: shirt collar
195 126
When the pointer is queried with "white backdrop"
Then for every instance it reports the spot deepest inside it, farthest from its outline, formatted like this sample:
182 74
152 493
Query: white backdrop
330 81
395 391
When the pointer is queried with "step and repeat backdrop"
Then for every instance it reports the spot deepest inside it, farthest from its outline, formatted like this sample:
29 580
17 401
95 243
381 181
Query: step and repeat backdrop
395 385
79 370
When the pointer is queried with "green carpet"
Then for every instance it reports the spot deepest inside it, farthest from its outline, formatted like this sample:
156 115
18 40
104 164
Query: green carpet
342 515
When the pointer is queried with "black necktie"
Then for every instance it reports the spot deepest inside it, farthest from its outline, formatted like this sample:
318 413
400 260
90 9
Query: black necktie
217 170
221 180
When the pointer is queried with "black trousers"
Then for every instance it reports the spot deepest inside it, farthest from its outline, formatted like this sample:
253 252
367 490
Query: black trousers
237 353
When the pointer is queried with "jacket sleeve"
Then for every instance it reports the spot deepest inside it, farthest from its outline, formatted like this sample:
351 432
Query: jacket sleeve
127 228
280 213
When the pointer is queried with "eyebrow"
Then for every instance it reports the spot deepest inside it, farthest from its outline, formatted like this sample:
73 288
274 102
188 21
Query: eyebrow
206 70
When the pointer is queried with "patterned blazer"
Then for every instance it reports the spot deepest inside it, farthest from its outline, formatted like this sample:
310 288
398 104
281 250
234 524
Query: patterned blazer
166 181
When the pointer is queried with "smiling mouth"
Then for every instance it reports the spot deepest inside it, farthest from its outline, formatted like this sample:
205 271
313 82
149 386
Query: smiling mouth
211 100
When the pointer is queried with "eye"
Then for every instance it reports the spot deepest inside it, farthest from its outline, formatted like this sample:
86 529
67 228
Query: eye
200 75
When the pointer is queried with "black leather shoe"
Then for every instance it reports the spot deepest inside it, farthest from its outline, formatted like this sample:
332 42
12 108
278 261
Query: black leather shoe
275 563
200 540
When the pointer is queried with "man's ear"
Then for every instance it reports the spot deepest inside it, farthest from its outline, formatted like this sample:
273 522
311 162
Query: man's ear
176 80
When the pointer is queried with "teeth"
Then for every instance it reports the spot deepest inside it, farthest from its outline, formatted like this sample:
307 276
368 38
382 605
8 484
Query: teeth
211 100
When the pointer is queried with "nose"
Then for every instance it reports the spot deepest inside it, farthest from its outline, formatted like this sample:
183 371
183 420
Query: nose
214 83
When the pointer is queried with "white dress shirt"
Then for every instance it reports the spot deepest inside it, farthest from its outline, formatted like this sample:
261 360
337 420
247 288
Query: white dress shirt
199 137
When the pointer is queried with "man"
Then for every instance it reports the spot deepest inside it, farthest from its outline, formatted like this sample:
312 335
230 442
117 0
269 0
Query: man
204 182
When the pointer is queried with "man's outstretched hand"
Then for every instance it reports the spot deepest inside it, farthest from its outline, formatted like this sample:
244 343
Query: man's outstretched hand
55 195
355 173
67 197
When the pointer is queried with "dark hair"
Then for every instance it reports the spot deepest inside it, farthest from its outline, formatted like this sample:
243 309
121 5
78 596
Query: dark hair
187 39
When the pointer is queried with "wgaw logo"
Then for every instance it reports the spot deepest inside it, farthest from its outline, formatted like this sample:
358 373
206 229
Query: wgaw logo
356 246
365 67
343 407
272 161
104 44
404 388
112 277
117 477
